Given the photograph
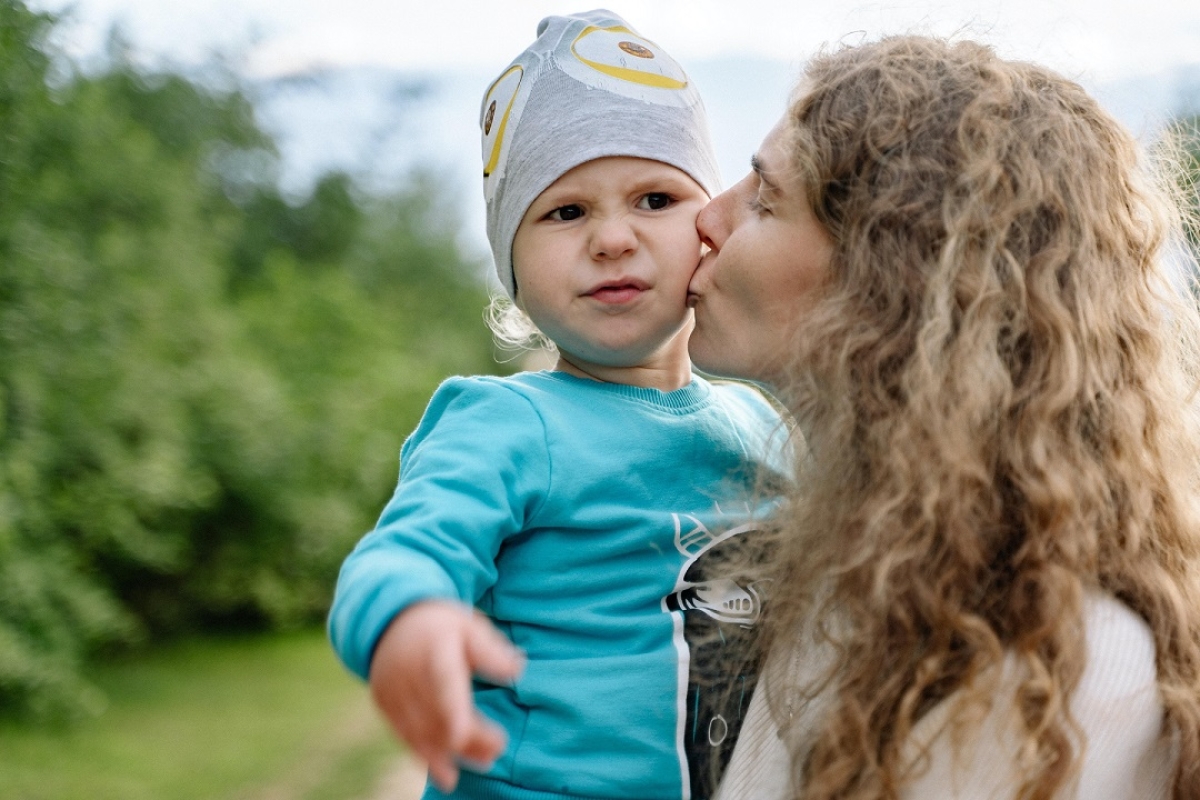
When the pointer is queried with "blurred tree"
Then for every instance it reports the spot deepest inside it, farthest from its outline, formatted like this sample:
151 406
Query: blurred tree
203 386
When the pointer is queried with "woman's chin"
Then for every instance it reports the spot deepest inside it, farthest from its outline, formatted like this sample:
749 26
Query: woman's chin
728 367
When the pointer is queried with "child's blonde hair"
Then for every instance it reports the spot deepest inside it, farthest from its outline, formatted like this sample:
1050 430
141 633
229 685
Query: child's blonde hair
998 392
512 329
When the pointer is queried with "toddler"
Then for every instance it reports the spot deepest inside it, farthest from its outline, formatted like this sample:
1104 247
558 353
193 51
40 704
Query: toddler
570 512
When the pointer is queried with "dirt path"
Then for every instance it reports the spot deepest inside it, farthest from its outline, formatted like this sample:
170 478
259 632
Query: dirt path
403 779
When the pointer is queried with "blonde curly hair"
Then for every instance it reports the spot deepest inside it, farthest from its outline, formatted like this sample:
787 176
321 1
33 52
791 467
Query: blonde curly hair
997 387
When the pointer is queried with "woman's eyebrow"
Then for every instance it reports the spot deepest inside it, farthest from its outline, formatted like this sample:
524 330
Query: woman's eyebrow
757 165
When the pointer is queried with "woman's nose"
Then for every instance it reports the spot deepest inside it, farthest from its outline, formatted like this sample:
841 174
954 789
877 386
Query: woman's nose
712 223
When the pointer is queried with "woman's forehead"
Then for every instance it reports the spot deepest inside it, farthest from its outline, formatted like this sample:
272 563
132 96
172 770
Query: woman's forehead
771 161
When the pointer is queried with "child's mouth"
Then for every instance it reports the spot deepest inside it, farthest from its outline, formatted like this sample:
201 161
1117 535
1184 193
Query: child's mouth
618 293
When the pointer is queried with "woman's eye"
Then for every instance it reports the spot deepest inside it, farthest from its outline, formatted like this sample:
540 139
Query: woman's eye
565 213
757 207
654 201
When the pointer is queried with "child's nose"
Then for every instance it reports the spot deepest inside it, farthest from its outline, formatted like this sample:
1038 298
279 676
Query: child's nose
613 237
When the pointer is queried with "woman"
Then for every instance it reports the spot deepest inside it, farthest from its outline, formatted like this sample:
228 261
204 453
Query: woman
949 267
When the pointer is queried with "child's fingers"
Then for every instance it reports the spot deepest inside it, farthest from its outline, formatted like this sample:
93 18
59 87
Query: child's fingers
484 743
443 772
421 679
490 654
422 682
451 696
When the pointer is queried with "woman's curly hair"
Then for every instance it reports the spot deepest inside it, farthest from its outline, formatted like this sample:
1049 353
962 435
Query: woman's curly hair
997 387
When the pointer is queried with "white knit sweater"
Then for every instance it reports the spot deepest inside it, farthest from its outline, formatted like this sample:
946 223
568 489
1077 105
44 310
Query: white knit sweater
1117 706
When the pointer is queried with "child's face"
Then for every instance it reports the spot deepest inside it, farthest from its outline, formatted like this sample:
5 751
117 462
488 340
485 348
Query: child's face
602 260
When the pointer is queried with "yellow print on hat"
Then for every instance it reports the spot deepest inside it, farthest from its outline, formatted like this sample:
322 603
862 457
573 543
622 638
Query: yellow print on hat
608 51
495 114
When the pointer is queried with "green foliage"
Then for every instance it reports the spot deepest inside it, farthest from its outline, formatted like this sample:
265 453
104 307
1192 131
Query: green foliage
203 386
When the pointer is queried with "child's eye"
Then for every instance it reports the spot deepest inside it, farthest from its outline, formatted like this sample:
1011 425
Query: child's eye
654 201
757 207
565 213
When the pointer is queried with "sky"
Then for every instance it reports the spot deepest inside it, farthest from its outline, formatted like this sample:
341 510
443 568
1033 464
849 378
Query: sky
1091 40
1101 43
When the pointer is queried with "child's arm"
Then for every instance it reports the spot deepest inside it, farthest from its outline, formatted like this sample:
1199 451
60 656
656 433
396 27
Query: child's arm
421 681
472 474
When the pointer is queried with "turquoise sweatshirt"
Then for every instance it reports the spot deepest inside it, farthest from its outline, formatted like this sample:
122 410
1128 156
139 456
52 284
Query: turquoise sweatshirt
578 515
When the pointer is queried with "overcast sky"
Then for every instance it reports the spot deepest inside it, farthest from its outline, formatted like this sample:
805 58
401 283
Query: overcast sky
1091 40
1096 42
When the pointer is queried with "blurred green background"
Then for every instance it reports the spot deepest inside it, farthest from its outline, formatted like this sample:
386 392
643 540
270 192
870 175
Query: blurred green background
204 385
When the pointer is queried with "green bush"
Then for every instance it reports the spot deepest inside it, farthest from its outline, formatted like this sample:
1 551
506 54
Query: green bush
203 385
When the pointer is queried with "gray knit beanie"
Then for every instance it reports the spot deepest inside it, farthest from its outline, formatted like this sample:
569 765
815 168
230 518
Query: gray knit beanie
587 88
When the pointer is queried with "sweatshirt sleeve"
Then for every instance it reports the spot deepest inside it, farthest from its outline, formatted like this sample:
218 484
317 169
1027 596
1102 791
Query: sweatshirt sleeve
473 473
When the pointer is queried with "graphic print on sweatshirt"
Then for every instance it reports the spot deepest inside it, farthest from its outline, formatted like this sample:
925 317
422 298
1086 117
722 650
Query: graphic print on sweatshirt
719 611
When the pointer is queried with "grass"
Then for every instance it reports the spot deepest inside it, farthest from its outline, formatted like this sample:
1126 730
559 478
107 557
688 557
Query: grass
248 718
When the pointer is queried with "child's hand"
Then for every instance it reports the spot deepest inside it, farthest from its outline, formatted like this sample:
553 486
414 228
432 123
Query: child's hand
421 681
